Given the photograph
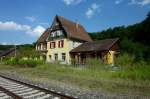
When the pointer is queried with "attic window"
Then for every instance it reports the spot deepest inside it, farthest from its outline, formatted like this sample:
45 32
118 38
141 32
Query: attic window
59 33
56 23
53 34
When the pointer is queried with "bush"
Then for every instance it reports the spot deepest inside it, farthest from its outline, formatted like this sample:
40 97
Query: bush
124 60
11 61
135 73
131 69
23 63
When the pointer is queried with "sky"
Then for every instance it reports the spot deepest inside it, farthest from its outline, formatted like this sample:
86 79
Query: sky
23 21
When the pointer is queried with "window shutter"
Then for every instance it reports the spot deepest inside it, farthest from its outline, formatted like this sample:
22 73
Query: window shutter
54 44
50 45
62 42
51 34
59 44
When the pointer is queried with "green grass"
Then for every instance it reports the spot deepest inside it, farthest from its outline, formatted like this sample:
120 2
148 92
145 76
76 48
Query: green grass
128 76
103 78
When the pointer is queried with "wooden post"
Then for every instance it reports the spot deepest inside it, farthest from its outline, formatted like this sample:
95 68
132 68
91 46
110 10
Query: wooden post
1 59
15 50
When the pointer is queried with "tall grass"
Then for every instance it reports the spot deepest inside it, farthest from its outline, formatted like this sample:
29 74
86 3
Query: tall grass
124 60
94 64
131 69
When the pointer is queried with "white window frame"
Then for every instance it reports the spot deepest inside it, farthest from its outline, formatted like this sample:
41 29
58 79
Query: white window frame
63 55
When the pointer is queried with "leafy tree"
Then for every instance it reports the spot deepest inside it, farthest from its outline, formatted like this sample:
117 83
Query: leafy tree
134 39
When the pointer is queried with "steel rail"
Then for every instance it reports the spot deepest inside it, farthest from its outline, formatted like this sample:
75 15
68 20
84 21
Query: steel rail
63 96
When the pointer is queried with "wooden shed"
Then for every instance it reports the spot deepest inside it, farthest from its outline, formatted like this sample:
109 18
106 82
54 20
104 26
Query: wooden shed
102 49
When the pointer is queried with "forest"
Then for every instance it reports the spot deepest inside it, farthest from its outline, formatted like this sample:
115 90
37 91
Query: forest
134 39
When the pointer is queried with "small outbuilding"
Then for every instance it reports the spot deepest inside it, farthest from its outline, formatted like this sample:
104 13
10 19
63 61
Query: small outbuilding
101 49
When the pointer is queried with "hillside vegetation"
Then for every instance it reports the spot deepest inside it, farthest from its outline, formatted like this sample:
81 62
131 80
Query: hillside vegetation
134 39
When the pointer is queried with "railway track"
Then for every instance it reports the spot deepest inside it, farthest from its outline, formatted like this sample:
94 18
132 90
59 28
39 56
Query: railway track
14 89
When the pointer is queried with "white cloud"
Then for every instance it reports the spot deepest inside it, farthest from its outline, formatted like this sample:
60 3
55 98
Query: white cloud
13 26
10 25
30 18
140 2
8 43
118 1
92 10
4 43
37 31
72 2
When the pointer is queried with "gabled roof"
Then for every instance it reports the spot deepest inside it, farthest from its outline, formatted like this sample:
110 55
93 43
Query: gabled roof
101 45
7 52
73 30
44 36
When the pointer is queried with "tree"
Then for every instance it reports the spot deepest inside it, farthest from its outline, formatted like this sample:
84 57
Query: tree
134 39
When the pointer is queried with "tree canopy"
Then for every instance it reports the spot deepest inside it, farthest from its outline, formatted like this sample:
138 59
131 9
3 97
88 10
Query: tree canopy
134 39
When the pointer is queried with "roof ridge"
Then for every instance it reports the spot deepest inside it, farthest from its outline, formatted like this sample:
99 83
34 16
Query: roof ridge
67 19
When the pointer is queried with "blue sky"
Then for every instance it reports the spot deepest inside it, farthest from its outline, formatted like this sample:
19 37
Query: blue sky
23 21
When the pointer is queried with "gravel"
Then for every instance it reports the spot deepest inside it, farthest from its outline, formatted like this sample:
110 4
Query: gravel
72 90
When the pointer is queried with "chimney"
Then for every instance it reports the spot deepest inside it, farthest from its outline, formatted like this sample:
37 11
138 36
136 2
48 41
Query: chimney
77 26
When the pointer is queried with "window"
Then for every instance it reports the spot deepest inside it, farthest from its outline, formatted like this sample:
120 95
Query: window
56 57
50 56
45 47
39 47
53 34
56 23
73 44
63 56
52 45
61 43
59 33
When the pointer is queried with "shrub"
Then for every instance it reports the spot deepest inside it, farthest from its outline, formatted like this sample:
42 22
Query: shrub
124 60
23 63
134 73
131 69
11 61
29 63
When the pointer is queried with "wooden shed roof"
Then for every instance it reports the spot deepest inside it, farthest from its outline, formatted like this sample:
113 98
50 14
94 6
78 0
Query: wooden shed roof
100 45
7 52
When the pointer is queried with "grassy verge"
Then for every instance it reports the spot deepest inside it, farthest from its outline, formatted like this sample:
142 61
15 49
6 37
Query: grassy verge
116 81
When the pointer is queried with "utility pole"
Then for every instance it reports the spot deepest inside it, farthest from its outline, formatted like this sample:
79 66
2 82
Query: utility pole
15 50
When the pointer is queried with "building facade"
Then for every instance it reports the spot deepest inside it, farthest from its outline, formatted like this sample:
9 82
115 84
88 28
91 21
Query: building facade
65 41
60 38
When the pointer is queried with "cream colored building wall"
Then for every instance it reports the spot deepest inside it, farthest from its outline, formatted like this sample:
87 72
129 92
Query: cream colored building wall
68 46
